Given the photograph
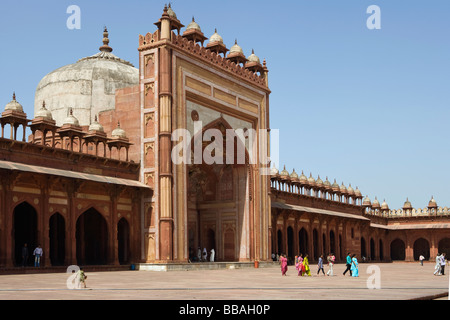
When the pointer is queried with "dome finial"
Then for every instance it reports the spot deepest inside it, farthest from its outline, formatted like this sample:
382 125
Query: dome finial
14 96
105 47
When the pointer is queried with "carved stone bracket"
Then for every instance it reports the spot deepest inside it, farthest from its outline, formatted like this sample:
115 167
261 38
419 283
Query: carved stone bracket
150 145
149 116
148 87
148 58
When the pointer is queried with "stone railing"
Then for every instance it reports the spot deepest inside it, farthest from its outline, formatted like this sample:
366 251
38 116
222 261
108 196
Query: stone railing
294 186
393 213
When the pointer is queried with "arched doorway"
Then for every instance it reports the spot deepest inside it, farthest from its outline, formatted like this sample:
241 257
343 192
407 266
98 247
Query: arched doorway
280 242
381 250
444 246
290 242
421 247
363 248
315 244
210 240
57 235
229 245
92 239
303 241
397 250
372 249
123 238
332 243
25 232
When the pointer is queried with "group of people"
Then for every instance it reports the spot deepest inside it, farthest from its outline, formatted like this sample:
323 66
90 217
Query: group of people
439 268
352 265
202 256
37 253
303 268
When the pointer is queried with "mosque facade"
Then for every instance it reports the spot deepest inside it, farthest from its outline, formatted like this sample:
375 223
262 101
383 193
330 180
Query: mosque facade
95 182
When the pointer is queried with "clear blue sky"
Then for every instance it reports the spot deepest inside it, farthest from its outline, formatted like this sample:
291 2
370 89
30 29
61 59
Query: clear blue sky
367 107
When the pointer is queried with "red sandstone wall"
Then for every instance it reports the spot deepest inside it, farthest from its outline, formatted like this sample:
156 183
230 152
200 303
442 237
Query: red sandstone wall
128 113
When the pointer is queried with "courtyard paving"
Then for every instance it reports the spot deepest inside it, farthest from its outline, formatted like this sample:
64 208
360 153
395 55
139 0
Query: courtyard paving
397 281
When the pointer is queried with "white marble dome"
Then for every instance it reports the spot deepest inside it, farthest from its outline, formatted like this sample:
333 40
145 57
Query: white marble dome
88 86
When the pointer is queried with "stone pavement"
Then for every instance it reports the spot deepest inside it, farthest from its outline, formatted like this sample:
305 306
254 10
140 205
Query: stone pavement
398 281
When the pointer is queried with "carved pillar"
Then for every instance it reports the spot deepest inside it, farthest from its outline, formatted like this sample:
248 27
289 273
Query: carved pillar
165 163
71 242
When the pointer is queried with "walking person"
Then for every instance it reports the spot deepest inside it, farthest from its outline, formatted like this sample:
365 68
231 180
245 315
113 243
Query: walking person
37 256
348 264
211 255
199 254
25 255
437 267
320 265
354 267
284 264
421 258
306 269
301 267
331 258
205 255
443 263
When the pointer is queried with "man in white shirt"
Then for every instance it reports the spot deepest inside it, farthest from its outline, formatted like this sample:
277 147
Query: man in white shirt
37 256
421 258
442 263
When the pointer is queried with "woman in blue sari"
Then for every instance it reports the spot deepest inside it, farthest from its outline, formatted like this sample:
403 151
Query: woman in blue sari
354 267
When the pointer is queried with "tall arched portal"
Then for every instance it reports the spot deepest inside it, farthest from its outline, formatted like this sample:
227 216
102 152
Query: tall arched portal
92 239
57 235
25 232
219 197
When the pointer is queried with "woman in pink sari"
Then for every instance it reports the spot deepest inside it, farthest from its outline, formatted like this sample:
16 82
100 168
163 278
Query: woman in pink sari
284 263
300 267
